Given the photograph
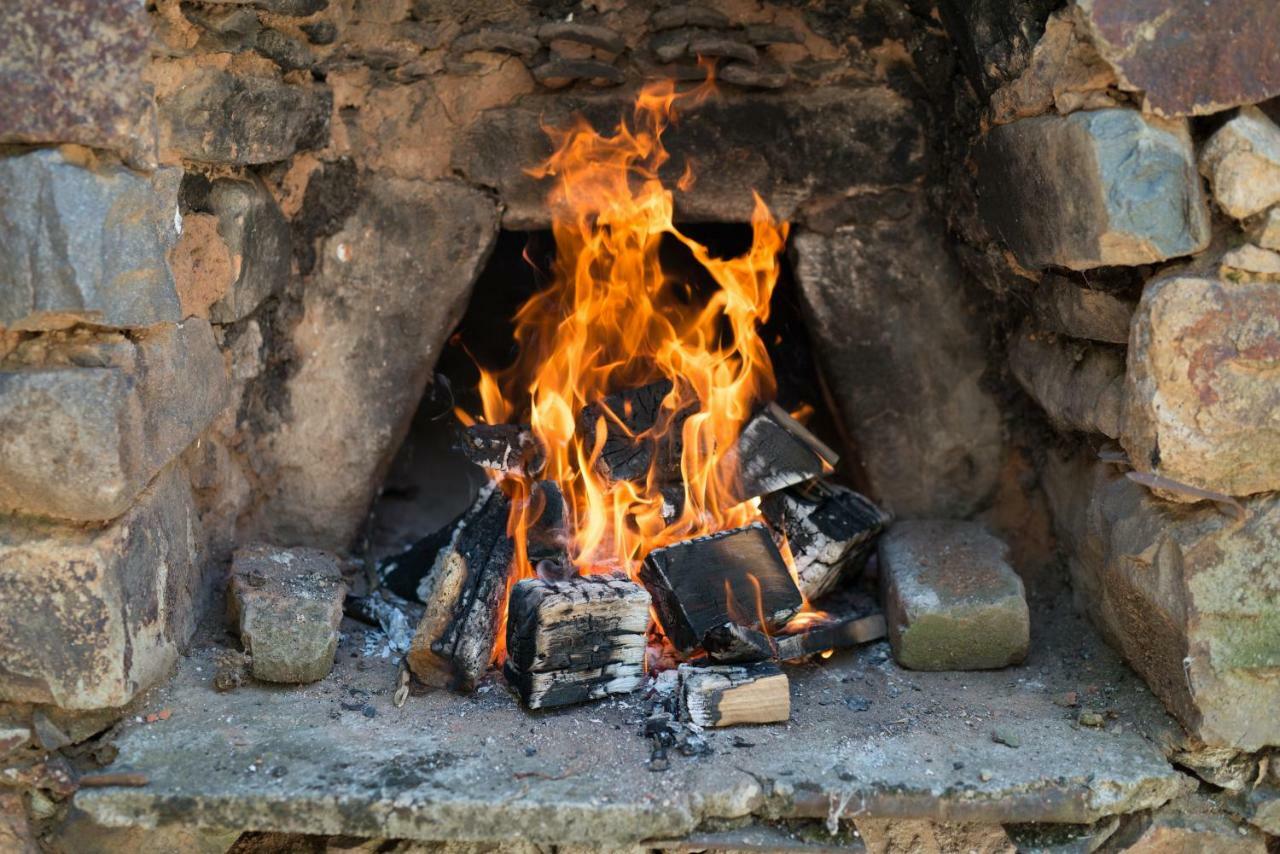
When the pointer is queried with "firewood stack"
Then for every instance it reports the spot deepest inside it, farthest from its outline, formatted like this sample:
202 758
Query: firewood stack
573 638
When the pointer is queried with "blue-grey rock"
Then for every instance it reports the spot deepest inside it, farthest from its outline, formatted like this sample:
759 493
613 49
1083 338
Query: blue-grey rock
256 234
1095 188
85 243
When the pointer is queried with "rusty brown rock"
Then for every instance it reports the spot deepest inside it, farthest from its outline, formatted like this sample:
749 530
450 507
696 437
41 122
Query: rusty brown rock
1065 73
72 72
201 264
1063 306
1188 58
1242 162
1203 388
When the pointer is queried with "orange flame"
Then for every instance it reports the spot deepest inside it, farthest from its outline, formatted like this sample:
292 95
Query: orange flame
613 319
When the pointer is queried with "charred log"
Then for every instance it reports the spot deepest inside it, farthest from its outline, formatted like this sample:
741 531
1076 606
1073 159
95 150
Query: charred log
732 643
404 573
776 451
726 694
547 538
830 530
510 448
733 576
640 433
463 594
575 640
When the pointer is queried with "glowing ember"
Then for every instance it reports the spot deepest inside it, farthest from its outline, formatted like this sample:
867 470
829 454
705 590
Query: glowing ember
611 320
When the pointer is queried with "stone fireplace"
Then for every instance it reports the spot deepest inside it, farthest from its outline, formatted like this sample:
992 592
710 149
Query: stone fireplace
253 251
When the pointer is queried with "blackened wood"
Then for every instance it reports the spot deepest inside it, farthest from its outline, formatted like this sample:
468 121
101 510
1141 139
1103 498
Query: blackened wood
731 642
776 451
575 640
548 533
463 594
731 576
510 448
829 529
404 573
630 418
728 694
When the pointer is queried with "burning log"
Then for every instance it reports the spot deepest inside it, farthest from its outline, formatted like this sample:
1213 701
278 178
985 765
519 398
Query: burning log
547 539
630 416
776 451
731 576
732 643
829 529
510 448
726 694
463 594
575 640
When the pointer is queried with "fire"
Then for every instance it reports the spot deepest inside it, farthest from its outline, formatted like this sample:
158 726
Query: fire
613 319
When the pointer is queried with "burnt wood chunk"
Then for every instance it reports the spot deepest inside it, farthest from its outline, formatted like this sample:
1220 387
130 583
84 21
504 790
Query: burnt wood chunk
728 694
547 539
776 451
731 642
630 419
830 530
405 573
575 640
463 594
731 576
510 448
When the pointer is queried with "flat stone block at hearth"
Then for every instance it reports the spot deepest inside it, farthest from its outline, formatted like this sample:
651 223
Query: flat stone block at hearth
1203 386
902 358
214 116
1188 595
72 71
1188 58
1242 162
257 235
85 245
287 604
819 145
1092 189
91 616
481 769
951 600
91 418
1079 386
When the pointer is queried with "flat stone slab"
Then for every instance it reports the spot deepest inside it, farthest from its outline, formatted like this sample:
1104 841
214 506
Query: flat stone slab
337 757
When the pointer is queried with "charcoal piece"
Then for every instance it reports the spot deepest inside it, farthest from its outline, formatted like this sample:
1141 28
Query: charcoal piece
776 451
510 448
575 640
731 576
672 501
463 595
830 530
730 643
630 417
728 694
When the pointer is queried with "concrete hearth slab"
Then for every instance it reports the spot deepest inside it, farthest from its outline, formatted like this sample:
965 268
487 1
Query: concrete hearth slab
866 739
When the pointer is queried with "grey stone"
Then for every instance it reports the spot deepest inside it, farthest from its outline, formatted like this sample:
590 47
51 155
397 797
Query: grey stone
459 768
951 600
92 616
1203 403
1092 189
218 117
391 285
287 604
1186 594
820 147
885 306
1061 305
1080 387
1242 162
88 425
1261 808
85 244
1189 823
250 222
72 71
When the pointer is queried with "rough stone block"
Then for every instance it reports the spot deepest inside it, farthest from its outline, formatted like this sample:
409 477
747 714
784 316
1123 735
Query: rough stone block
1190 823
1266 230
951 601
817 147
390 287
1203 386
1188 58
85 428
1080 387
201 265
1061 305
78 833
250 222
1250 262
72 71
1242 162
885 306
1092 189
214 116
85 243
287 604
92 616
1188 595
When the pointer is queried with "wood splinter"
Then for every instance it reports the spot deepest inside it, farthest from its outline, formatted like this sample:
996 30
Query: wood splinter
726 694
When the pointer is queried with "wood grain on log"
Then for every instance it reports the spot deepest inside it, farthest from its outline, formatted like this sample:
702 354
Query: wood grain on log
727 694
776 451
639 430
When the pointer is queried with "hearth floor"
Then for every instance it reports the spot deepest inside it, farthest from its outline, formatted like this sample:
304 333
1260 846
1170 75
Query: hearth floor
866 738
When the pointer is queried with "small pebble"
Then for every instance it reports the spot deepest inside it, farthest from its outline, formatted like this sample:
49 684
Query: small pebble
530 751
984 776
857 704
1003 735
959 766
1092 719
369 711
